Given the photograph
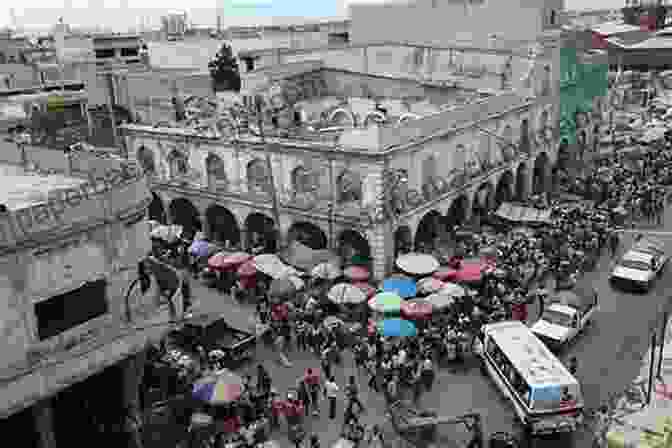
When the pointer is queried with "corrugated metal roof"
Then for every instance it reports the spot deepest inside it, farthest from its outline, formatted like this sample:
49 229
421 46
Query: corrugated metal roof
612 28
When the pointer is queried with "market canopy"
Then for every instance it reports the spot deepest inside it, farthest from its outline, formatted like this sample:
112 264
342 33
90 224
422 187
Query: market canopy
519 213
345 293
272 266
385 302
417 264
169 234
304 258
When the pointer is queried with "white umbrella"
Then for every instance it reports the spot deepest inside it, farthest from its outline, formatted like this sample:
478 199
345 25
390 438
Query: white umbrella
452 290
417 264
440 300
271 265
326 271
345 293
429 285
169 234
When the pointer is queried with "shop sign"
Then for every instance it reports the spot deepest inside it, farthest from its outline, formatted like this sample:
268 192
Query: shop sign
22 224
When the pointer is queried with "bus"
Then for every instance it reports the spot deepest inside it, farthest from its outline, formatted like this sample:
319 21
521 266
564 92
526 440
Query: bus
546 398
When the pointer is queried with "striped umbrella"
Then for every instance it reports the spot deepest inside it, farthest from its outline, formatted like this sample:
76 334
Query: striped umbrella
369 290
247 269
345 293
429 285
221 388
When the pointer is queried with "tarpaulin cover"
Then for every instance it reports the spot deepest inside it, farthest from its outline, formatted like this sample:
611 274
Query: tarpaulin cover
518 213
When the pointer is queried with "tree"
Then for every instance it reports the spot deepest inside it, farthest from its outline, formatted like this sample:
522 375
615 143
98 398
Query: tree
224 70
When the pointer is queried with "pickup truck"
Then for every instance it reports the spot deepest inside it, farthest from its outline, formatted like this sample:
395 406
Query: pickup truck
567 314
222 342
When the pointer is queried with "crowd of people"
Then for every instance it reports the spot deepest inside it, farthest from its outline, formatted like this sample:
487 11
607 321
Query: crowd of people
523 258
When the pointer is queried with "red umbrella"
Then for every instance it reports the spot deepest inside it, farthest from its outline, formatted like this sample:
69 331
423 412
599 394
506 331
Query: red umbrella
247 269
222 261
416 309
444 274
470 272
369 290
357 273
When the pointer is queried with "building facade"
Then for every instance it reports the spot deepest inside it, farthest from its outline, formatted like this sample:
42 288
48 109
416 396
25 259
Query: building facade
460 153
73 319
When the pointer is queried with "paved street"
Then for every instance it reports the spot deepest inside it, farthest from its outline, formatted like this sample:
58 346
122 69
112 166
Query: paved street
609 356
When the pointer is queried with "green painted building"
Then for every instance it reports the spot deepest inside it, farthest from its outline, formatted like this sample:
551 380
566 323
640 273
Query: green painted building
581 82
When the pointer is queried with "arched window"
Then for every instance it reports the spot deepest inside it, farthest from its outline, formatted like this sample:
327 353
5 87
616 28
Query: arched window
303 181
216 172
257 175
178 164
552 19
146 160
349 187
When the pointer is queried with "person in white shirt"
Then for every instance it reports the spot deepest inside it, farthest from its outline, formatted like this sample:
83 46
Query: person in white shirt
331 390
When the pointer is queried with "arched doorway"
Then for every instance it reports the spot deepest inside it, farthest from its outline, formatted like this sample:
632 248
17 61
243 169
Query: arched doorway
308 234
481 202
504 187
429 229
521 182
156 210
353 248
222 225
185 214
403 241
261 232
146 160
541 171
257 176
457 213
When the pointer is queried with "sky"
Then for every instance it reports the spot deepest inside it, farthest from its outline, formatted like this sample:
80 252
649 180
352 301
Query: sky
122 14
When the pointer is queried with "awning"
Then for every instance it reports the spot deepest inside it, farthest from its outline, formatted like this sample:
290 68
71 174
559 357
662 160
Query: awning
518 213
305 258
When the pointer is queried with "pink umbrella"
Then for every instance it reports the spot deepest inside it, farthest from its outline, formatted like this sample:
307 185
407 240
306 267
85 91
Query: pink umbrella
247 269
222 261
470 272
445 274
357 273
416 309
369 290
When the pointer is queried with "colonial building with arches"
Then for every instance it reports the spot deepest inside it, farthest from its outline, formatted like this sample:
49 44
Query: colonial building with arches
353 169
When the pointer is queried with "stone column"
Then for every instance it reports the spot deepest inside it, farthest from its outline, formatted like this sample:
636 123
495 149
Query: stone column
44 423
205 224
376 239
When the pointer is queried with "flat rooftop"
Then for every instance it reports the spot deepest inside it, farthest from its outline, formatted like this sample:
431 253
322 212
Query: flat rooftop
20 189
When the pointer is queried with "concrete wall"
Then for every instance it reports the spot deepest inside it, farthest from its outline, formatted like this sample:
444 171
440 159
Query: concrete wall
473 23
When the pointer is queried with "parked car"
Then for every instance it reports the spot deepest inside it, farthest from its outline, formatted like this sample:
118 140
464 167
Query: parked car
222 342
640 266
566 316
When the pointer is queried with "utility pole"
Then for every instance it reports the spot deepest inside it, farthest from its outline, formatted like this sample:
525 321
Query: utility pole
258 109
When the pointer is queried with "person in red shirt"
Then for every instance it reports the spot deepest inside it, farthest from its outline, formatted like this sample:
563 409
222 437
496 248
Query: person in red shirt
312 380
231 425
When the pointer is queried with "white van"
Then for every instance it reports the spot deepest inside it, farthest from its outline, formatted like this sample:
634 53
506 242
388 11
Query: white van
545 396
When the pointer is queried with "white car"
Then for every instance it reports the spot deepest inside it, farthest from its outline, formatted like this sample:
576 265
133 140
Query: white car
640 266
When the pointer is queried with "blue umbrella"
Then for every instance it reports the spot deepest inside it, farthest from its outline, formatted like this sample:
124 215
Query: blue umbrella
398 328
403 287
199 248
